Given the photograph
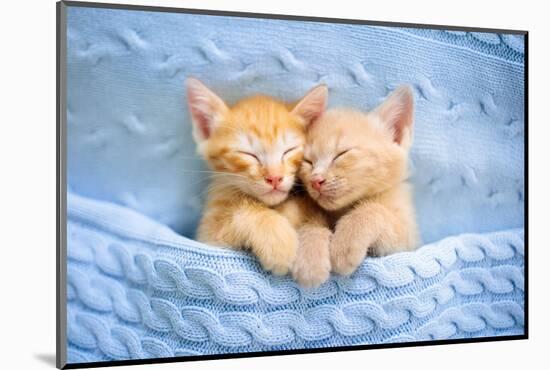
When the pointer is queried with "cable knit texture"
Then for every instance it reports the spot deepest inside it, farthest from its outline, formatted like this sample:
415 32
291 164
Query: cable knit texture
139 289
136 289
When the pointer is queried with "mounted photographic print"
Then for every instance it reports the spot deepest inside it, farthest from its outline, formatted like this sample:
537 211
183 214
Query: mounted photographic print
235 184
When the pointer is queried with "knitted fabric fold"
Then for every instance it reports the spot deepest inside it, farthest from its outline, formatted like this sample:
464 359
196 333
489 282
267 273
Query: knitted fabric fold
136 289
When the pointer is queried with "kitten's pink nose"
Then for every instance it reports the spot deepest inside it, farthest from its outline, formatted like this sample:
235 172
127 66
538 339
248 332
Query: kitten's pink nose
274 180
317 182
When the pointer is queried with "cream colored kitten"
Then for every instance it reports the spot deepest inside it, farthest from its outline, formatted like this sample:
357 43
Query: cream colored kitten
355 167
254 149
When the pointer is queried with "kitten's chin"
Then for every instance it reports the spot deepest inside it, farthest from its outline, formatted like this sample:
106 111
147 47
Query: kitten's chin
328 203
273 198
331 203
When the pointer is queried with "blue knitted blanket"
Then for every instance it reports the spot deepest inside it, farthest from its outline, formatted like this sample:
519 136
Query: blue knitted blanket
137 290
140 287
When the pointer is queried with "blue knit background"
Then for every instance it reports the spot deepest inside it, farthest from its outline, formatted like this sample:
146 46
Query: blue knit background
129 137
138 289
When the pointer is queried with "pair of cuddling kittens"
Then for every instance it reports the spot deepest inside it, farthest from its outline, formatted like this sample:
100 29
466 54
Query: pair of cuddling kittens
351 198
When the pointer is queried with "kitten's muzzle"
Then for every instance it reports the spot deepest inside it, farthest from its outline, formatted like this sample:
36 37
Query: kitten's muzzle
317 182
274 181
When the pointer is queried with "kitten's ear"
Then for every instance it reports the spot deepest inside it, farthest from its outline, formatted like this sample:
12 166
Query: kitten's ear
312 105
397 113
206 109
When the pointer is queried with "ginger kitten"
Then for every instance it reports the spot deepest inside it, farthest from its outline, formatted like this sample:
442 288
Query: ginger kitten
254 150
355 167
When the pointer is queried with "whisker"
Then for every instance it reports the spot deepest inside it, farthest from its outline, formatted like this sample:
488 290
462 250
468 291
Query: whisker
212 188
229 174
199 181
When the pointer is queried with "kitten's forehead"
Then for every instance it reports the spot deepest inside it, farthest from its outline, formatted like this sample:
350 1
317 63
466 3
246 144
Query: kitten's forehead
340 129
324 143
255 142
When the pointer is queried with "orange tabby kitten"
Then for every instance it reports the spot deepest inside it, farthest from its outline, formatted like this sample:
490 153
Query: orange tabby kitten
254 149
355 167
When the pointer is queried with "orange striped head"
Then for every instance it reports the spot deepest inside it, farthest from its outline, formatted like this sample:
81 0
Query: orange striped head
350 154
255 145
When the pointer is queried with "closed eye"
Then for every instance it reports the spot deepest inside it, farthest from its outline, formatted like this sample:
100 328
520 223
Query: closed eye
289 150
249 154
341 154
307 161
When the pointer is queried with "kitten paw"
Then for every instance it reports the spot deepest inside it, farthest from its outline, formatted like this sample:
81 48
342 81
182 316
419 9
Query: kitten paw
278 252
312 265
346 254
